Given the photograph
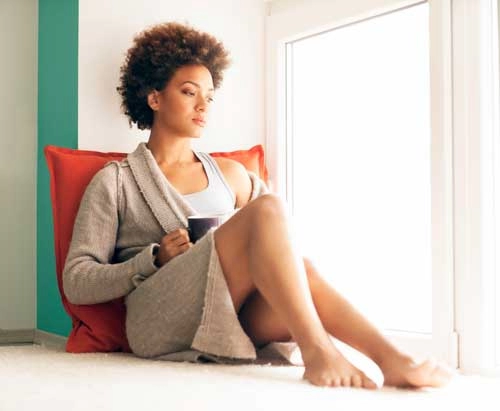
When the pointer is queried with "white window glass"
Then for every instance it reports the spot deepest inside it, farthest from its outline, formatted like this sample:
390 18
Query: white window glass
359 112
497 245
497 313
496 165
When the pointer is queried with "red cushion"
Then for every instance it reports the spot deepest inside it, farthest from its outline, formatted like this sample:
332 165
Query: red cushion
252 159
99 327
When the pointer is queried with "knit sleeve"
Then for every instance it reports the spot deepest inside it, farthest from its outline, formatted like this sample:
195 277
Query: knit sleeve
89 276
258 186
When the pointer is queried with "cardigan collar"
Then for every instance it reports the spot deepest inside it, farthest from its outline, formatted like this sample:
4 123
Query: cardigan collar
158 191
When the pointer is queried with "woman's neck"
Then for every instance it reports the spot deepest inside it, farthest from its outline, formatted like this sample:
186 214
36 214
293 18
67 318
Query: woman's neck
171 151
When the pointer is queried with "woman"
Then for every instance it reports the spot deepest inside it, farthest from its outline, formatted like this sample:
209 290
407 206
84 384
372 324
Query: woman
243 285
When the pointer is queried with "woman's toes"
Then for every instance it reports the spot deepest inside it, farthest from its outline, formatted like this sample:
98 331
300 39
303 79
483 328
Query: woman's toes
336 382
346 381
441 375
356 381
367 383
429 374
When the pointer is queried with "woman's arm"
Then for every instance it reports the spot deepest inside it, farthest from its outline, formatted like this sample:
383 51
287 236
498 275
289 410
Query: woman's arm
246 186
88 275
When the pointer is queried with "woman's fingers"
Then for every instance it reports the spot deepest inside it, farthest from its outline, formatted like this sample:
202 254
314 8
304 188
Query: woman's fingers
185 247
180 240
177 235
176 238
173 244
178 245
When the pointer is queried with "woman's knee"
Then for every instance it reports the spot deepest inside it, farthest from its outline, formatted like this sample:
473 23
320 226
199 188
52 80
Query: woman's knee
268 207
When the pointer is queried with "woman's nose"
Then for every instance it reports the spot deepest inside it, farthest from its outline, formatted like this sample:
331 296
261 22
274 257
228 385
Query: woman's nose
202 104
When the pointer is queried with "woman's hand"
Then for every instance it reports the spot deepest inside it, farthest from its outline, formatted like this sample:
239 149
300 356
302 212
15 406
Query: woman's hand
172 244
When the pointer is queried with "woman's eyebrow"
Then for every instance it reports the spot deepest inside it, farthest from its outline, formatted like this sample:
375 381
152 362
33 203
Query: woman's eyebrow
196 84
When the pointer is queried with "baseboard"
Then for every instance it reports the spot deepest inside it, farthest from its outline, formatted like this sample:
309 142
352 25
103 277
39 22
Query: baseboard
49 340
14 337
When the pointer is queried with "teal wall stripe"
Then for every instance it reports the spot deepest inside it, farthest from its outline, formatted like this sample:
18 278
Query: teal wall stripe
58 125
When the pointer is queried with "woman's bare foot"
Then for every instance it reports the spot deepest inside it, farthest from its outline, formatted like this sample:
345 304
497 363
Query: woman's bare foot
403 371
326 366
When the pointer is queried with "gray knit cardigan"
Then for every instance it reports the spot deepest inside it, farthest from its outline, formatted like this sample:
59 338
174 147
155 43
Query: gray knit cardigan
125 211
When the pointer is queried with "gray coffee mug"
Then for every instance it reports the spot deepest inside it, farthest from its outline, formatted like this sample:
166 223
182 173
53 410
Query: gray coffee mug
199 225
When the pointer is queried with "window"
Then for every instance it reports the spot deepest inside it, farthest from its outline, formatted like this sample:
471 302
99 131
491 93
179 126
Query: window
359 110
423 101
359 119
496 162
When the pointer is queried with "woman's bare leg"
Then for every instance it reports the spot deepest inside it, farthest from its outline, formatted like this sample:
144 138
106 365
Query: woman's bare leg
257 252
344 322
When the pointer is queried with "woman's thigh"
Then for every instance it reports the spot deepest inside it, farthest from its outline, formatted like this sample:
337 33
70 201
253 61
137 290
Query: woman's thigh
232 242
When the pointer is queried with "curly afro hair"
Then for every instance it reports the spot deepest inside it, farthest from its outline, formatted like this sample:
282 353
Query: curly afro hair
153 59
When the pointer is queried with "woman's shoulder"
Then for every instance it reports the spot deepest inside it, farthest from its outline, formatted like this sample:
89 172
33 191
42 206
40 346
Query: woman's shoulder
237 176
227 163
107 178
107 172
111 170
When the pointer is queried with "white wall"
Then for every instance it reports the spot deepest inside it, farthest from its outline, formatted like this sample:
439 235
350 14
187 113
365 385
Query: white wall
106 30
18 46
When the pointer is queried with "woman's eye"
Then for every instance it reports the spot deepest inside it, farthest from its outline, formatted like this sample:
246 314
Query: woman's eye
191 93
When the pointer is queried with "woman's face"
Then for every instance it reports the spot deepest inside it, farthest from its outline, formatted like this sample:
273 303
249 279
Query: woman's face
182 107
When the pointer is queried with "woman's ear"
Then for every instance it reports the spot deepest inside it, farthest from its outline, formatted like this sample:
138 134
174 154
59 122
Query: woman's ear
154 100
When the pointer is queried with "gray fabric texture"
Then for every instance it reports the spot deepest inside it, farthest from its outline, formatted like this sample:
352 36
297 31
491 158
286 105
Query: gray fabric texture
180 312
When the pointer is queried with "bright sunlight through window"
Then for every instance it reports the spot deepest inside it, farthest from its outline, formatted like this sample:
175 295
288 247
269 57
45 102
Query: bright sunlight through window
358 108
497 260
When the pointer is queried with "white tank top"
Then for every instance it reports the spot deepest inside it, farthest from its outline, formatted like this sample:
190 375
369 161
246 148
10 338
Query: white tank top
217 198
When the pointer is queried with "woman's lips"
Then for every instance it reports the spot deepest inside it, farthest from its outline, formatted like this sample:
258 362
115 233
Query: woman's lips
201 123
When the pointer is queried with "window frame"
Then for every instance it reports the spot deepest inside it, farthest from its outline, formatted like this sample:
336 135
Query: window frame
465 152
299 19
475 123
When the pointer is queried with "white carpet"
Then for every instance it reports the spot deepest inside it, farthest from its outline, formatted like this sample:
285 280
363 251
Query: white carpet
41 378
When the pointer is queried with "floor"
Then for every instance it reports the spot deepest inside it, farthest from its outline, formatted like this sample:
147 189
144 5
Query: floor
34 377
